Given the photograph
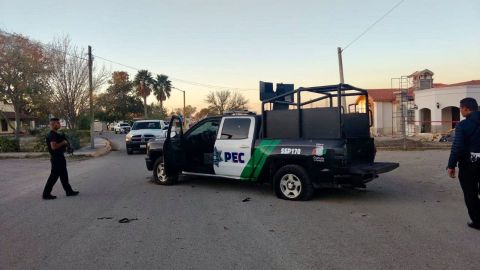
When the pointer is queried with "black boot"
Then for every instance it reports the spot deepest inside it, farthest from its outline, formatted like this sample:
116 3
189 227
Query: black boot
72 193
49 197
474 225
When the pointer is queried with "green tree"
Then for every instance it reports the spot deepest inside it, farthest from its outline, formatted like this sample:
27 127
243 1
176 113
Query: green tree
156 111
144 82
23 72
202 114
161 89
119 101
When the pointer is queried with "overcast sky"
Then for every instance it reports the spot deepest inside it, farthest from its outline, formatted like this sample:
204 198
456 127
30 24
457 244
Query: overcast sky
238 43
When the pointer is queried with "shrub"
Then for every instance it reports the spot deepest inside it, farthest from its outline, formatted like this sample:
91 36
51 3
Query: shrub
34 131
75 137
8 144
40 144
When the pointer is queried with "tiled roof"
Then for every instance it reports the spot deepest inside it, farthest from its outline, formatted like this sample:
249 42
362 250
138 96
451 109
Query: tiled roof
385 95
388 94
472 82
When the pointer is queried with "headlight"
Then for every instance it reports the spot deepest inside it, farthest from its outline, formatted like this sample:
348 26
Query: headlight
128 137
159 137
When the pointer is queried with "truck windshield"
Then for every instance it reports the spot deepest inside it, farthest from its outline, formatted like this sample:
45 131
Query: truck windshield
146 125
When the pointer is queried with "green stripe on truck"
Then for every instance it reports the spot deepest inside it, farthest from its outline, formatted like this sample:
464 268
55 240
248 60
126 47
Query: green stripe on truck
255 165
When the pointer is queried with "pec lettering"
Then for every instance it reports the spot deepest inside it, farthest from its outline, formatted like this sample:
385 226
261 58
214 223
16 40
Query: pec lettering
234 157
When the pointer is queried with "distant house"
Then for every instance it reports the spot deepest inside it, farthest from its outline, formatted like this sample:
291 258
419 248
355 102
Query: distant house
7 119
422 107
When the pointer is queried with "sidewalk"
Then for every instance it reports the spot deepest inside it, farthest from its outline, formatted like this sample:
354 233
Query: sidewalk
102 147
411 143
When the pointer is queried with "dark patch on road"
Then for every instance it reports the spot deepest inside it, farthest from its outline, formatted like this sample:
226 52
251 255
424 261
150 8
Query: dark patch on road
127 220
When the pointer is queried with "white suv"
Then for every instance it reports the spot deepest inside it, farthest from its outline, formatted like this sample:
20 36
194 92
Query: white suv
121 128
144 131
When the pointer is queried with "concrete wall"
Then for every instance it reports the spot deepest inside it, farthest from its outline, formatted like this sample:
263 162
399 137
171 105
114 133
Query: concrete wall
382 118
446 97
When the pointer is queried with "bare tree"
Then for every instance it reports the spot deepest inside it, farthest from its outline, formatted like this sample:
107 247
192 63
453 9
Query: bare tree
225 100
237 102
69 80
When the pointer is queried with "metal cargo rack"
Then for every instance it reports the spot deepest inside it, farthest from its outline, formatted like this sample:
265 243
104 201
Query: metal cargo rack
331 122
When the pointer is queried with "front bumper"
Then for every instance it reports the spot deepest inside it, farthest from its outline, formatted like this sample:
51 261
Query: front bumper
136 145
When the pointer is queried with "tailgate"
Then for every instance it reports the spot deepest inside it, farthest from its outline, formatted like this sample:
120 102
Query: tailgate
373 168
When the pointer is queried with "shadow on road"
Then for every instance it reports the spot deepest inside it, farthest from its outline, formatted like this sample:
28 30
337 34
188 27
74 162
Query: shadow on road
324 194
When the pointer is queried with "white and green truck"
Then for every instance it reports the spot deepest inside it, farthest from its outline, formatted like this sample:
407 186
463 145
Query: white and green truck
297 148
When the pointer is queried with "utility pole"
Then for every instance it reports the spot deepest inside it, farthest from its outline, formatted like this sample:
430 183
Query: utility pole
340 68
90 82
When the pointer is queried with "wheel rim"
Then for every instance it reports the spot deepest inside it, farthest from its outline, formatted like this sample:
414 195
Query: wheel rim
161 173
291 186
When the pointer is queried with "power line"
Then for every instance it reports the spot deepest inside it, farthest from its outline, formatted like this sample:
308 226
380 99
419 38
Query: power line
45 46
375 23
211 86
181 80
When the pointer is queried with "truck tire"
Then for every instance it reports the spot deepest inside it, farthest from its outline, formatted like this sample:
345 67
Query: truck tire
129 151
159 176
291 182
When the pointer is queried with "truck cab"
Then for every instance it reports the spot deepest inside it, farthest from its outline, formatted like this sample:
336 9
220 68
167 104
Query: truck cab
297 149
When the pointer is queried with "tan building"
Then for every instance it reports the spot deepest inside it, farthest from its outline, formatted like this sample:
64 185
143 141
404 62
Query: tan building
7 119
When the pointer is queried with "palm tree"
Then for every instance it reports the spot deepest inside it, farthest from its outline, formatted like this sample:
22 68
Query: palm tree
161 89
144 83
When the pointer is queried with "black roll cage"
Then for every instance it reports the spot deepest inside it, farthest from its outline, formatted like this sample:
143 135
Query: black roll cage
328 92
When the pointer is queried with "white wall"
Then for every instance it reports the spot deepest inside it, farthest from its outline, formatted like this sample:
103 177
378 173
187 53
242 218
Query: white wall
446 97
382 118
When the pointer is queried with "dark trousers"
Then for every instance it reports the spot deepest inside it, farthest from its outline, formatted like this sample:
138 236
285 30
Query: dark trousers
59 169
469 175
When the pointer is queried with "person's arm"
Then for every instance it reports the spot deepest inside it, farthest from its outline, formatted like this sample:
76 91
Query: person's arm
57 145
457 150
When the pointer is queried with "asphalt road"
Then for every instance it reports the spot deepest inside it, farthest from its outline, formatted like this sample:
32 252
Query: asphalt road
412 218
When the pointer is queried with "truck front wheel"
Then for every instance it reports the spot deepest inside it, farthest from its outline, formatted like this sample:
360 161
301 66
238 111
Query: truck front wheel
291 182
159 176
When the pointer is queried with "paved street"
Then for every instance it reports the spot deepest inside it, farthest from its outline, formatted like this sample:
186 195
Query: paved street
412 218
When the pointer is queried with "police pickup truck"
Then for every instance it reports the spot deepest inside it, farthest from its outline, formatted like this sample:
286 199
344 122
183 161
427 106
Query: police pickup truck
292 144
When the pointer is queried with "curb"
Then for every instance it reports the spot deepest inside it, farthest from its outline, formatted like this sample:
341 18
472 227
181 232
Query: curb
24 156
98 153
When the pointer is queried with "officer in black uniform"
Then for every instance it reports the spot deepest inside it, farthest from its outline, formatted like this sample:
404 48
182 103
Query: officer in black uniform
57 145
466 152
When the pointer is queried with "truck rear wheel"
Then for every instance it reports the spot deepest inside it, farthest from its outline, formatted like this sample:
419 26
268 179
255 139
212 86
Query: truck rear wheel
291 182
159 176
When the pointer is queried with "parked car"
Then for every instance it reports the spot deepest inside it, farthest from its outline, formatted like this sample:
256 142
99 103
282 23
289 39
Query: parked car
143 131
121 128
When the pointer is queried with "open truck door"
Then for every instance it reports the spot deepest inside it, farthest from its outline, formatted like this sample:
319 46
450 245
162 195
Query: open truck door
173 150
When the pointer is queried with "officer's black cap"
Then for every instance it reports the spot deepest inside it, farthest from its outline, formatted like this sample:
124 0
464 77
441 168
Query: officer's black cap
54 119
